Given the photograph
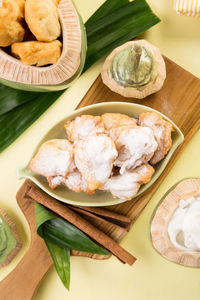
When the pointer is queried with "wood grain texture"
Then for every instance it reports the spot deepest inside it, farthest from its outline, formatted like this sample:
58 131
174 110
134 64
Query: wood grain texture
22 282
179 99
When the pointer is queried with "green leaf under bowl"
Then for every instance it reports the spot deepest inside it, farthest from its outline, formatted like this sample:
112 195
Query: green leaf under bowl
101 198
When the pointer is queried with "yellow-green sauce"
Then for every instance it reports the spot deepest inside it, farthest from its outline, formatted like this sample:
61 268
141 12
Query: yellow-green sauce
134 66
7 240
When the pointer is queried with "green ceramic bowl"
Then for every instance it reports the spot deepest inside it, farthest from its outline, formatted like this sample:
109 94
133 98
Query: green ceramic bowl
100 198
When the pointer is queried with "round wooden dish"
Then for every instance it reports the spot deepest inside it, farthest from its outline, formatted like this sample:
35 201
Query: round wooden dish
54 77
8 220
130 91
159 225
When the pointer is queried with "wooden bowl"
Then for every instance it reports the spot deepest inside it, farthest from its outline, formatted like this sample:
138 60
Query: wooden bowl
161 217
54 77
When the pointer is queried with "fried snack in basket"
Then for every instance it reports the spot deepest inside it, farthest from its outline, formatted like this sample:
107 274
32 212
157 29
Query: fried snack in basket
37 53
11 14
43 19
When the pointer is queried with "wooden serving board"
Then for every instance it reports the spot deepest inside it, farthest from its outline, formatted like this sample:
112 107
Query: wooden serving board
179 99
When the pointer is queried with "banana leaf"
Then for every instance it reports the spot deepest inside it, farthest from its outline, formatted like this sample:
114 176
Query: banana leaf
64 234
60 232
61 260
114 23
14 123
11 98
60 237
107 7
110 31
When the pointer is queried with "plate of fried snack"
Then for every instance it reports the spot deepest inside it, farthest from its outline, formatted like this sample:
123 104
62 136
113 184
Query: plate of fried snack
30 40
42 44
103 154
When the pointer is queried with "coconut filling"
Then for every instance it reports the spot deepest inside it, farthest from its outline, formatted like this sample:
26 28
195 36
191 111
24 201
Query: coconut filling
7 240
184 226
134 66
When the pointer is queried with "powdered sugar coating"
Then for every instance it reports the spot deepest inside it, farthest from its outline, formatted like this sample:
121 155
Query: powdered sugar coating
77 183
55 181
94 157
55 157
108 152
136 146
111 120
162 131
126 186
74 181
83 126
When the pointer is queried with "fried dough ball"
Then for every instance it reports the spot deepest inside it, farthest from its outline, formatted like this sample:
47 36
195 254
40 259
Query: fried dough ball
83 126
114 123
77 183
54 158
37 53
126 186
162 131
12 10
74 181
136 146
21 4
11 30
43 19
94 157
111 120
115 132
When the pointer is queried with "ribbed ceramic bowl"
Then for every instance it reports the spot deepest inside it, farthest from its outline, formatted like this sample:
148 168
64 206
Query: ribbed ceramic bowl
101 198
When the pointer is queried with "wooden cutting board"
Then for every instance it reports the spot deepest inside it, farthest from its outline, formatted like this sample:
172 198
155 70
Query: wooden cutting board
179 99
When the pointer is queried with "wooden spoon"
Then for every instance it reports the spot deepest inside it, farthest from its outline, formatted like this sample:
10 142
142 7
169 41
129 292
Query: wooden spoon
23 281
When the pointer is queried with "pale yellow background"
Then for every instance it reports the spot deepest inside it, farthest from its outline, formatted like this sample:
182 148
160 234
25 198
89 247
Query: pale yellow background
152 277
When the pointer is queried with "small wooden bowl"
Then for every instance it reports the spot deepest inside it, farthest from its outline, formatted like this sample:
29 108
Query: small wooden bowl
159 225
58 76
9 221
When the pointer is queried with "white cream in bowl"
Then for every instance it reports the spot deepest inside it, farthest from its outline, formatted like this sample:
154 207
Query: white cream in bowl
184 226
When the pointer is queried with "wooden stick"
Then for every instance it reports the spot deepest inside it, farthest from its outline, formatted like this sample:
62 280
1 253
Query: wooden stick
95 217
111 216
41 197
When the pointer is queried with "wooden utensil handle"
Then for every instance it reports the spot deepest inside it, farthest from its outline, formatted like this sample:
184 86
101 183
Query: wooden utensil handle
22 282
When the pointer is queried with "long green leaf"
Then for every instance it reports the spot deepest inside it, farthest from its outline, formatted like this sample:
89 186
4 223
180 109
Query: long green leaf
123 24
61 260
60 255
106 29
15 122
62 233
106 8
118 15
43 215
11 98
60 236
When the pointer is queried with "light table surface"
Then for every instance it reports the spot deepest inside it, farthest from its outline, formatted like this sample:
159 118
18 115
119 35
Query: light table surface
152 277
